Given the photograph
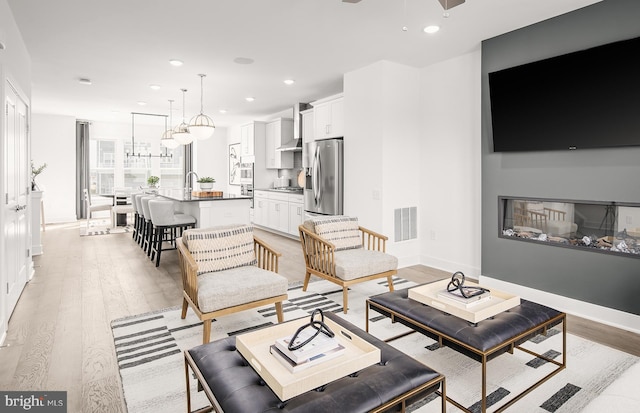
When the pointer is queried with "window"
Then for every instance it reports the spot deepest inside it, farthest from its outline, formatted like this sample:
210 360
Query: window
137 168
102 166
171 168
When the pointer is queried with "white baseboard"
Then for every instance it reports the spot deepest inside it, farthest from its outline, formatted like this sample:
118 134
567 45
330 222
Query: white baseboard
469 271
408 261
600 314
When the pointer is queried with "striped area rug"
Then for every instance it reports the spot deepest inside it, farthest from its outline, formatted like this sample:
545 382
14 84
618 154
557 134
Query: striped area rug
149 351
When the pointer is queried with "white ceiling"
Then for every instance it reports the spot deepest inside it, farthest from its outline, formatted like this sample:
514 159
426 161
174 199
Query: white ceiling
123 46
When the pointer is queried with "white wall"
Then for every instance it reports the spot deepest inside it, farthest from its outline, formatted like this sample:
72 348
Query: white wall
450 192
211 158
382 132
53 142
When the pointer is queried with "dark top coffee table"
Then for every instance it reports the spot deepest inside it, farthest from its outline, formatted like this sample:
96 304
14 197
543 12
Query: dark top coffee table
233 386
481 341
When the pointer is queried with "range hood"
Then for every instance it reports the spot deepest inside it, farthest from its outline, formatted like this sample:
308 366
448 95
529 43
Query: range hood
295 144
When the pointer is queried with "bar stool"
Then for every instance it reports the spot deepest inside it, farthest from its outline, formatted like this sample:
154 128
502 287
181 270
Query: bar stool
135 202
167 226
147 226
140 219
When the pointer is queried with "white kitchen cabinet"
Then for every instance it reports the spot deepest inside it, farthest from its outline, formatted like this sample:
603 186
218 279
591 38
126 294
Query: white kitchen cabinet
247 144
278 132
260 208
328 119
279 211
307 126
296 213
279 215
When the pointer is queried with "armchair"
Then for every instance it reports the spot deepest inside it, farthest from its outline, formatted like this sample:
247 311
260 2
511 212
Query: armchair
225 270
338 250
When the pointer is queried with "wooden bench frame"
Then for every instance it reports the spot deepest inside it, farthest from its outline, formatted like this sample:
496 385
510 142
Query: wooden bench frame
319 259
267 260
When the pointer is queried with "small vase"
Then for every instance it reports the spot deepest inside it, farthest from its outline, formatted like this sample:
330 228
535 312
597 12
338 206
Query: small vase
206 186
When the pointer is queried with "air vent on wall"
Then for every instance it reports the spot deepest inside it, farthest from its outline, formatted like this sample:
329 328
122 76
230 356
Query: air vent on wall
405 223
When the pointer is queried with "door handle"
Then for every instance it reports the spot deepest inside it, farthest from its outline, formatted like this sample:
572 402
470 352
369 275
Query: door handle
20 207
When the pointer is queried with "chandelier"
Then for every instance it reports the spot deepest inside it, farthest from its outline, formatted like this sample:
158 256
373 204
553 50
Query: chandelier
181 132
201 126
133 152
167 137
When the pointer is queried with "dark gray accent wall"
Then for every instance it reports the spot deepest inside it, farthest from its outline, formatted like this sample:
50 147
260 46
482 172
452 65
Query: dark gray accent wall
590 174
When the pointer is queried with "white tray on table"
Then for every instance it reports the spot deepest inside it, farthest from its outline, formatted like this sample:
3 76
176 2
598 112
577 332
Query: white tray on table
428 294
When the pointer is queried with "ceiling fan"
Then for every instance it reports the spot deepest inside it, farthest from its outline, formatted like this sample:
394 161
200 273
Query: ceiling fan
446 4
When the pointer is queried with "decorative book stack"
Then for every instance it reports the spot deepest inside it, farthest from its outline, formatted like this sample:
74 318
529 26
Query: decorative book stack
475 297
322 348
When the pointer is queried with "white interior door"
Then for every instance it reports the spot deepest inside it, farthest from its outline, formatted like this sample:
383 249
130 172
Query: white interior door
17 182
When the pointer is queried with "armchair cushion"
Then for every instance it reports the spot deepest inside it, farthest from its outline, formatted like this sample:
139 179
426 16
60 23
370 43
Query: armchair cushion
238 286
355 263
220 248
341 231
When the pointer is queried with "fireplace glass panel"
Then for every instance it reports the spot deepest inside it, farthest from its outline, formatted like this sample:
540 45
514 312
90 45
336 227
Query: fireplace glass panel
608 227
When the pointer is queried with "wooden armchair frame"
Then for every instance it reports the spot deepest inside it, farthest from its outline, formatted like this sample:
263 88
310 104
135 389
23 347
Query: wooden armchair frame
267 260
319 258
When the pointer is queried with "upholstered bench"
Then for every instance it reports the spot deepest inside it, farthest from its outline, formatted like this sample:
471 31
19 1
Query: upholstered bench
481 341
233 386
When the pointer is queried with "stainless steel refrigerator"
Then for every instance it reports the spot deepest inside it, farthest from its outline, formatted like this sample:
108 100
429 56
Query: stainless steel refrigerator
323 165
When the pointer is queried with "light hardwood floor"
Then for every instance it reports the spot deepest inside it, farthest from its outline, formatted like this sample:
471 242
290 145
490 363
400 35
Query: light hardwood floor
59 334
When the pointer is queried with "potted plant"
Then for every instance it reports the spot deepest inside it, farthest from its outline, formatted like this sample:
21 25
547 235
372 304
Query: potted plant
35 172
153 181
206 183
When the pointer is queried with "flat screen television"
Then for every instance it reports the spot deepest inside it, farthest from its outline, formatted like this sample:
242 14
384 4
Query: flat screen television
585 99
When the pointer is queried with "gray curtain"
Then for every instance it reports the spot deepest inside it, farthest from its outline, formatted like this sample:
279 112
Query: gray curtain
82 165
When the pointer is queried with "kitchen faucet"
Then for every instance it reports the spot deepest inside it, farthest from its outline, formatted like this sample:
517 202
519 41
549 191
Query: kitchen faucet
187 182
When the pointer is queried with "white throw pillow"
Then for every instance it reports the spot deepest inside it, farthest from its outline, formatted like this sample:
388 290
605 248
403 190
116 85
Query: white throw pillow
342 231
221 248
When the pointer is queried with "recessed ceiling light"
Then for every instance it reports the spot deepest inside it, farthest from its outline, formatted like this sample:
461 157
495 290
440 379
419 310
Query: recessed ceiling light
176 62
249 99
431 29
289 82
142 103
223 111
84 81
154 87
243 60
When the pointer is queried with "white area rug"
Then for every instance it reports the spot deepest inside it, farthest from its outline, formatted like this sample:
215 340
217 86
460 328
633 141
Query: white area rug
102 227
149 350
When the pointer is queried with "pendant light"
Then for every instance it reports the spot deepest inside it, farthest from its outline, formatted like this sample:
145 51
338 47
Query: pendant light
201 126
167 137
181 132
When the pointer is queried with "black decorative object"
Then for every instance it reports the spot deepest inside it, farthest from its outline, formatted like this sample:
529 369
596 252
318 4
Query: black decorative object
318 325
457 283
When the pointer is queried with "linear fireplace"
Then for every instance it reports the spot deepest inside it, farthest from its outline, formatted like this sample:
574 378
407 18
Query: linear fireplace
605 227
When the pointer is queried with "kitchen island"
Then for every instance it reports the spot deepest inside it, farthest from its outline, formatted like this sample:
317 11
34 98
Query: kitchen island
210 211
